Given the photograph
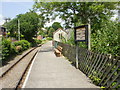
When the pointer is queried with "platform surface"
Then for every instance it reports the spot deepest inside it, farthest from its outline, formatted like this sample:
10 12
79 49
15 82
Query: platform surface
49 71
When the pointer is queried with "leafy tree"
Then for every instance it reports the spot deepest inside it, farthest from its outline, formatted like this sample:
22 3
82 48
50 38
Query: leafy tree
42 32
53 28
76 13
50 31
12 27
56 25
106 39
28 25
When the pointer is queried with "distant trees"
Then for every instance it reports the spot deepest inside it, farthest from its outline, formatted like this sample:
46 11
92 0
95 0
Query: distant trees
76 13
53 28
56 25
50 31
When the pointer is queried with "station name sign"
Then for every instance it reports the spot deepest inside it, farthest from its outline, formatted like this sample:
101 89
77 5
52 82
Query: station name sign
81 33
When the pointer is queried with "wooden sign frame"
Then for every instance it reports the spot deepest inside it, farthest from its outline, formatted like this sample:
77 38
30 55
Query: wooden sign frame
86 33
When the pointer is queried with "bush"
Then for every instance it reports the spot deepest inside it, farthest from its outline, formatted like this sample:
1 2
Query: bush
23 43
38 41
19 49
10 49
49 38
7 48
35 42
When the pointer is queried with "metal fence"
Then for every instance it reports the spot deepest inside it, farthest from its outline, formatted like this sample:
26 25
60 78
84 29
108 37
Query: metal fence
103 69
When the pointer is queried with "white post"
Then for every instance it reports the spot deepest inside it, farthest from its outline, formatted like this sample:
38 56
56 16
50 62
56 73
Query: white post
18 29
89 28
77 55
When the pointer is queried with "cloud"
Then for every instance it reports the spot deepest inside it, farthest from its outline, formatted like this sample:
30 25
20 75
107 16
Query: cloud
1 20
48 24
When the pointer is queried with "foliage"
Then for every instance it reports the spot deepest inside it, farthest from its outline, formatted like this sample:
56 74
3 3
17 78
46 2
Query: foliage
42 32
71 40
28 25
106 40
7 49
38 41
103 39
76 13
12 48
19 49
53 28
95 79
102 87
49 38
56 25
50 32
23 43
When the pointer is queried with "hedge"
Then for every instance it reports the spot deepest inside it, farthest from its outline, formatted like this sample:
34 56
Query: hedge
10 48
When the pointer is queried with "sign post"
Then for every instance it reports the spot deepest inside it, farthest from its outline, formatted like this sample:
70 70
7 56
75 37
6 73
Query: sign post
81 35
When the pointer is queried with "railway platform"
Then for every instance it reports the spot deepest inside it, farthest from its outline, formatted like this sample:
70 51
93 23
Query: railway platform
49 71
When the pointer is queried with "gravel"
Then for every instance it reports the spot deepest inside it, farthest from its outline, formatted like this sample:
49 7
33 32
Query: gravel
11 79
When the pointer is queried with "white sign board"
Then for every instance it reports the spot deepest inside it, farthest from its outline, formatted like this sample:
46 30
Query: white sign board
80 33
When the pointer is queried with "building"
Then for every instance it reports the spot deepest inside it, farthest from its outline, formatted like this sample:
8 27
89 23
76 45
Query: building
39 37
60 35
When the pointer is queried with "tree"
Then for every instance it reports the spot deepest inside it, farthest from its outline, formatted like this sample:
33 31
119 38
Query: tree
28 25
76 13
42 32
50 31
56 25
12 27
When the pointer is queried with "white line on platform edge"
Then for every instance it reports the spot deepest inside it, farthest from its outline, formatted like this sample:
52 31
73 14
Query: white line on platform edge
23 86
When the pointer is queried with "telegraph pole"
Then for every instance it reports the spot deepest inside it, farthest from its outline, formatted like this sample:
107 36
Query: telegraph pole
18 29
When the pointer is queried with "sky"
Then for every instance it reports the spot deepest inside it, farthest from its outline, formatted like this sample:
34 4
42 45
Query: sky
11 8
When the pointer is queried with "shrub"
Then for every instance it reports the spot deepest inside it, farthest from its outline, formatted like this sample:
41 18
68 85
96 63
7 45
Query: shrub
49 38
38 41
35 42
10 49
23 43
7 48
19 49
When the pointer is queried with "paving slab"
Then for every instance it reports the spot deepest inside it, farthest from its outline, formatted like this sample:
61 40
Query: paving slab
49 71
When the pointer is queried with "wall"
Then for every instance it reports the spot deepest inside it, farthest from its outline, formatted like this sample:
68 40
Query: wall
56 35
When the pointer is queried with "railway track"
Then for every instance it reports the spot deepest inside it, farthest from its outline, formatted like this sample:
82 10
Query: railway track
4 73
20 83
13 76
